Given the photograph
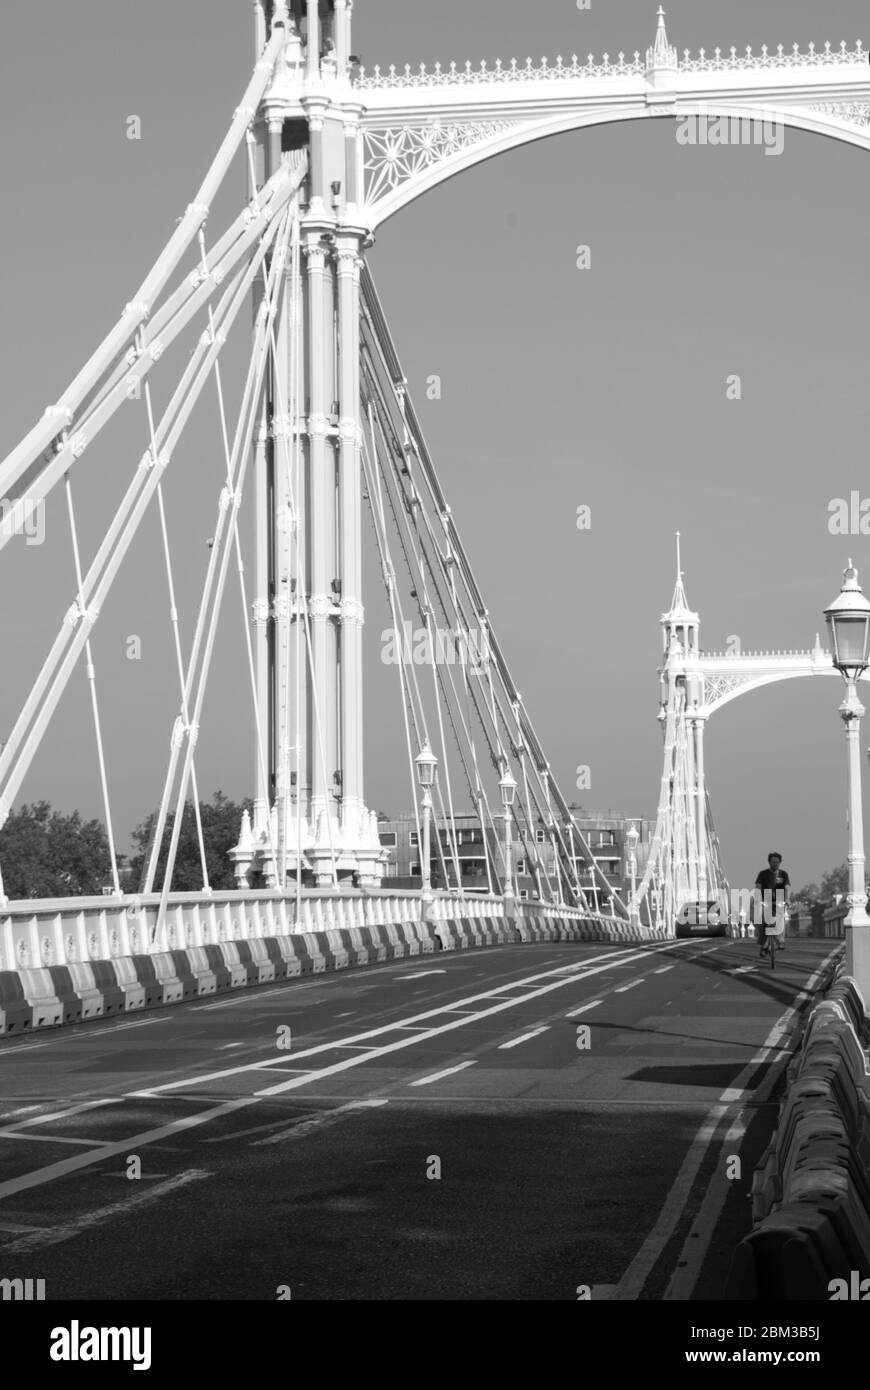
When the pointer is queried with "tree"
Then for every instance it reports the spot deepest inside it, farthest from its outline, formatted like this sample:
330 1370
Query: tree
46 854
221 821
808 895
834 881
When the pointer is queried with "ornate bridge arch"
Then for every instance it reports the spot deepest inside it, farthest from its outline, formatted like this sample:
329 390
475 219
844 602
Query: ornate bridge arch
422 127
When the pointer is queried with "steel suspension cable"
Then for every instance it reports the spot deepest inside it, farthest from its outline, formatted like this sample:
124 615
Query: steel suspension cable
173 618
230 501
92 682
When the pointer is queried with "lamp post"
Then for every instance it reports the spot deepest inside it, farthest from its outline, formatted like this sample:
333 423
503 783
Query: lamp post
632 836
508 788
848 619
426 763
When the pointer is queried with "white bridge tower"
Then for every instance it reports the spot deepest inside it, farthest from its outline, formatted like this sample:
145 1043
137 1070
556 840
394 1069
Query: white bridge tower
308 613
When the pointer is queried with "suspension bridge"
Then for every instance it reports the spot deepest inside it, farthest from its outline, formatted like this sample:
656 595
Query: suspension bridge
325 449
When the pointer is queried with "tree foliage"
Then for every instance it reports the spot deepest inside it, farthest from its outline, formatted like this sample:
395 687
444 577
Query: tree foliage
221 821
46 854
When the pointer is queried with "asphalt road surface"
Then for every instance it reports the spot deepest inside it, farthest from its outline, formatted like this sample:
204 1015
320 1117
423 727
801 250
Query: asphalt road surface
512 1123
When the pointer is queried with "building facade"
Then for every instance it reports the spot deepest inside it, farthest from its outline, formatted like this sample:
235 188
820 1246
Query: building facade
474 858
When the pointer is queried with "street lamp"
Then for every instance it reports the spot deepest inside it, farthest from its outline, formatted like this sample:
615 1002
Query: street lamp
426 763
848 620
632 836
508 788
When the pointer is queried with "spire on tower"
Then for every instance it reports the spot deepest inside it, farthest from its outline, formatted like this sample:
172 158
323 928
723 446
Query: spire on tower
679 602
662 54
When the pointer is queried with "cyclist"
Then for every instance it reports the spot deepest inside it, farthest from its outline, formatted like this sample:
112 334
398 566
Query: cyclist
772 889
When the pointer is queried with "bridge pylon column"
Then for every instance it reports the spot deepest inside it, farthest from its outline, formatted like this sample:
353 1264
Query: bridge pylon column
311 488
700 808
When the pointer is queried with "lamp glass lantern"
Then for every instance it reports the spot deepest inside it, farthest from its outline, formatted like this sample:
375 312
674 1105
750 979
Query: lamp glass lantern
426 763
848 619
508 788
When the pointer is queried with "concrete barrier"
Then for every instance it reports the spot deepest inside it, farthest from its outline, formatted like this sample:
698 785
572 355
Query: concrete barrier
811 1191
16 1014
82 990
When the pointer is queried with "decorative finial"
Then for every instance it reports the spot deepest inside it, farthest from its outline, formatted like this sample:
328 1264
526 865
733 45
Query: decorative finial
679 567
661 55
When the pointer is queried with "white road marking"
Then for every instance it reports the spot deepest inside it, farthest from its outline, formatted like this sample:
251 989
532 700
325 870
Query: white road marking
248 997
436 1076
515 1042
53 1115
326 1118
419 975
631 1284
38 1177
732 1094
697 1242
625 988
662 970
69 1035
377 1052
52 1139
626 956
55 1235
119 1027
225 1047
584 1008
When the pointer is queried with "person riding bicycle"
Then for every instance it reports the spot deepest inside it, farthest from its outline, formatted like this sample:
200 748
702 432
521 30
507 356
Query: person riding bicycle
772 889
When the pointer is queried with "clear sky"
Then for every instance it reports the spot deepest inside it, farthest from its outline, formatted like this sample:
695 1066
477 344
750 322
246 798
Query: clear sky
604 387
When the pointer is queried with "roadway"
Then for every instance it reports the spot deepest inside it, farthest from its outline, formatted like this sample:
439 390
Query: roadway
436 1128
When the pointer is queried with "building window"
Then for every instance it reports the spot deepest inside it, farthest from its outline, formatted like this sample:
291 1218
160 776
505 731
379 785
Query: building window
524 894
521 867
415 869
388 839
415 840
540 837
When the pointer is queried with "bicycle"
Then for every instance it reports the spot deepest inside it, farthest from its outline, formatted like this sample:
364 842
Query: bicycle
774 936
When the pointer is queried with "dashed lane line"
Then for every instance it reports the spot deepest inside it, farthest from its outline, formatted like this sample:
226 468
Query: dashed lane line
437 1076
596 966
584 1008
631 985
515 1042
40 1176
401 1043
